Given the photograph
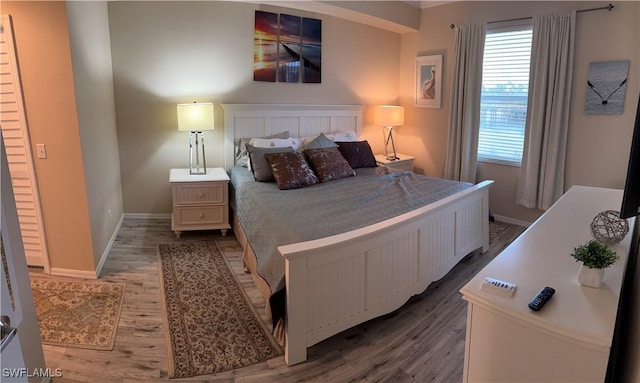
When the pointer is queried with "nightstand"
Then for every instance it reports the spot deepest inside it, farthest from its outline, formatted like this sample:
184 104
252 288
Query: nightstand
404 162
200 202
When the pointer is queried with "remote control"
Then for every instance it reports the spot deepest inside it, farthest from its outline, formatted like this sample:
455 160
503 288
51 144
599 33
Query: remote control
541 298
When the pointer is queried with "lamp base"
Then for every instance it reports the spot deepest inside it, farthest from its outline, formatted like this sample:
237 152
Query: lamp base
390 156
198 169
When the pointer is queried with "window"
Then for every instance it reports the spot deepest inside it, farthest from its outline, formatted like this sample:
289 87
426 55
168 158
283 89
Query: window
505 85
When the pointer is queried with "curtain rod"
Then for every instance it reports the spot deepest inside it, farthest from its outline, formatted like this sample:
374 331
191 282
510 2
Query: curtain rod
607 7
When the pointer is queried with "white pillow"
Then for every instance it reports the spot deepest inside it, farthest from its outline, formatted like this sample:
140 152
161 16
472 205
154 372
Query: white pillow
241 153
294 143
348 136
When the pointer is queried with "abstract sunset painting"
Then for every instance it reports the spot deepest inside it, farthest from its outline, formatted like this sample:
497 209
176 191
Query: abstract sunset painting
265 46
311 50
287 48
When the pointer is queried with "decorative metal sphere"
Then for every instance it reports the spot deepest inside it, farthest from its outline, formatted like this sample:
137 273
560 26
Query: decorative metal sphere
607 227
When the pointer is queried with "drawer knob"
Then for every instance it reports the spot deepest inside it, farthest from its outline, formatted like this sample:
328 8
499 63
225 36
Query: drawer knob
201 195
201 215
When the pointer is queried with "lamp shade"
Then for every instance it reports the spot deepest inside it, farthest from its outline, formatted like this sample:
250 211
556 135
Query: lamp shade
195 117
389 115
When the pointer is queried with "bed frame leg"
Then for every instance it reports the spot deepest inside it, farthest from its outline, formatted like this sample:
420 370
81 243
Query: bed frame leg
295 350
294 353
486 213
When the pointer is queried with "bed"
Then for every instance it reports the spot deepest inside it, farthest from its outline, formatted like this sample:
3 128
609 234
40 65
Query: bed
342 278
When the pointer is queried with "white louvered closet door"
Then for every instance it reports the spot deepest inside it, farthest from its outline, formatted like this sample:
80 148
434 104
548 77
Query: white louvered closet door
16 139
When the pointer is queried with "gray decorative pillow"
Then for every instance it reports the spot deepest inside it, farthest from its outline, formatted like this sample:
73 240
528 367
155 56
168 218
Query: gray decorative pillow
241 153
259 165
328 164
321 142
291 170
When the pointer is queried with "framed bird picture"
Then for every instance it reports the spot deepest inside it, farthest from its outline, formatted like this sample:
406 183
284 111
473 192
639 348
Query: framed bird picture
606 86
428 85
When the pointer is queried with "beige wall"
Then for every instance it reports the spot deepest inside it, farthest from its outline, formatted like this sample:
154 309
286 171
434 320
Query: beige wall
598 147
165 53
93 77
42 44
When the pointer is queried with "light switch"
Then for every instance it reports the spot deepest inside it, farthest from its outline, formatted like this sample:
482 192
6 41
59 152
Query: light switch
42 151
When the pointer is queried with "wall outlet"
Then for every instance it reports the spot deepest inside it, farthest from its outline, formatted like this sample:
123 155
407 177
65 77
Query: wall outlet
42 150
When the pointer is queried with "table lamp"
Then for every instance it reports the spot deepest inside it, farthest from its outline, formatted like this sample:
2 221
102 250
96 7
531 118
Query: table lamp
196 118
389 116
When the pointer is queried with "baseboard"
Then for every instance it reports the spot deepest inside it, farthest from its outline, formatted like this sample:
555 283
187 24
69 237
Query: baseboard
71 273
147 215
107 250
512 221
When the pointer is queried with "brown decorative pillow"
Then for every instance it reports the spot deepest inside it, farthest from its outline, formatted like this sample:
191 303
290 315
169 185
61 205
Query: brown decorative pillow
328 164
291 170
259 165
358 154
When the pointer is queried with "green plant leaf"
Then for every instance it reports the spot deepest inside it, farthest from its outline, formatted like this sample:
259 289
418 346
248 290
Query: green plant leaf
595 255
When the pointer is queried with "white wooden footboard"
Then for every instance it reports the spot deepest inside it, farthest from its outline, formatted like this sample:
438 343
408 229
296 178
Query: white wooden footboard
337 282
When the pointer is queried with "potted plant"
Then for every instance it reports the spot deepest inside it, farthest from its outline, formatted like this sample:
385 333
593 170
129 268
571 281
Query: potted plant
595 257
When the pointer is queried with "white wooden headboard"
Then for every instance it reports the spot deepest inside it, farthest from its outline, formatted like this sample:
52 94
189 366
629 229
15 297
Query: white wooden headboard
258 120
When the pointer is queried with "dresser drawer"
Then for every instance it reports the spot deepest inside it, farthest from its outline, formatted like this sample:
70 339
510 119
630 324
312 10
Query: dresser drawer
200 215
190 194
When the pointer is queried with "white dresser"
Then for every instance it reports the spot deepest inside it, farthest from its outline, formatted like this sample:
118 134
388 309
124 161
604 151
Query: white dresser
570 338
200 202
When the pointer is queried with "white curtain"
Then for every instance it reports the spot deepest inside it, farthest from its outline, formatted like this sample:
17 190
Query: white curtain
541 180
464 113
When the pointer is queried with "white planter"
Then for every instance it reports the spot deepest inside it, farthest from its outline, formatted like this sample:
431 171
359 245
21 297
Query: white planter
590 277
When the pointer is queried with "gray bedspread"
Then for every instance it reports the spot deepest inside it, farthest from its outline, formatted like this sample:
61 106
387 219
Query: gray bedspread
272 217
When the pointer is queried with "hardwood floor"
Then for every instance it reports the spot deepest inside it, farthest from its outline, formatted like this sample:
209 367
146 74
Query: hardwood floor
422 341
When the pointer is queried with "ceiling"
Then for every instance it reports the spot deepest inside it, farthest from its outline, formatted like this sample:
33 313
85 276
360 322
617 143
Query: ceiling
395 16
422 4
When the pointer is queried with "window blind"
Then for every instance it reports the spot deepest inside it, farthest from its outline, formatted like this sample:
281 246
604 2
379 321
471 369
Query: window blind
505 86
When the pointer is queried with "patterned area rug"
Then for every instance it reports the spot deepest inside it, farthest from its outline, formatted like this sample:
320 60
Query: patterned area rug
210 324
496 228
77 314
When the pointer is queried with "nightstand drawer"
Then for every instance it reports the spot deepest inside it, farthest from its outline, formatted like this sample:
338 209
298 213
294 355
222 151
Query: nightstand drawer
406 166
186 194
200 215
